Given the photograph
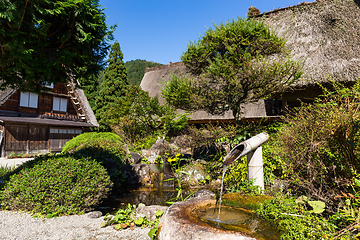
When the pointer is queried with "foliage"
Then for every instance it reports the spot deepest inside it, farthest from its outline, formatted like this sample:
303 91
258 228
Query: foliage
231 135
5 169
348 218
294 220
253 11
50 41
175 163
110 142
56 185
136 70
320 143
127 218
113 87
106 148
91 86
234 63
138 115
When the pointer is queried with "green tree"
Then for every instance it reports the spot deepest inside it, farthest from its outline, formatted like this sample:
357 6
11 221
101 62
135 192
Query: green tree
136 70
91 86
44 41
113 87
139 115
233 63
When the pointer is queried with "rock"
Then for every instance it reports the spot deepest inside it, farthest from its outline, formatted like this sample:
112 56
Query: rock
135 158
126 148
178 224
95 214
137 175
149 211
206 151
204 193
150 155
195 174
182 141
161 147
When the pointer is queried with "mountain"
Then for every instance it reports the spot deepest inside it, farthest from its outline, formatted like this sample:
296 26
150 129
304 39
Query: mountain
136 70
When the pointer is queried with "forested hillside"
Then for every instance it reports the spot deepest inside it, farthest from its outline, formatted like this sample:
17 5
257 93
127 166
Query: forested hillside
136 69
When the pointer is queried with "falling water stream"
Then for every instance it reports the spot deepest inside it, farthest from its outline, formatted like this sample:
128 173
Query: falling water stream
221 191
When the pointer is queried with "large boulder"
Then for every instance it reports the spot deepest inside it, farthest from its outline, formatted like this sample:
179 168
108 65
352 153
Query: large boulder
137 175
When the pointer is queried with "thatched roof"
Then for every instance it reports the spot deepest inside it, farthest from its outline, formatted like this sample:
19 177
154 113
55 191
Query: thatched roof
152 83
324 34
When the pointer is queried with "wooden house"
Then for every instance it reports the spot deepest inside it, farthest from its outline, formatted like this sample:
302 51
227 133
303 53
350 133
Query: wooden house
32 123
324 35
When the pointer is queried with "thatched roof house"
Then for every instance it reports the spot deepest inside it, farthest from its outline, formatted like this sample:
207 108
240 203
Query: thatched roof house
324 34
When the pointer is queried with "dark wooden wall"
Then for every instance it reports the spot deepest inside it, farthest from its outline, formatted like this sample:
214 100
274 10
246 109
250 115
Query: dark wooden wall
45 103
34 138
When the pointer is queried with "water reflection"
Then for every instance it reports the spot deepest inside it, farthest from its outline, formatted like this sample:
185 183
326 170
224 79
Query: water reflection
237 219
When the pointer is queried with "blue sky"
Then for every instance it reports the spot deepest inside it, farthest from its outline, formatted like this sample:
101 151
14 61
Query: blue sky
159 31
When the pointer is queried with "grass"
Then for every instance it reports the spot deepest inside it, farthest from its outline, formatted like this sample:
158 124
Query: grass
5 169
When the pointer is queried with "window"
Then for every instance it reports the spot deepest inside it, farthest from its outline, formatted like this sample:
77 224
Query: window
60 104
54 130
65 131
29 99
78 131
62 131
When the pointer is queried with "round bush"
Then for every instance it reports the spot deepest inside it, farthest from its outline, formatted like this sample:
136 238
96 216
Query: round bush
56 185
108 142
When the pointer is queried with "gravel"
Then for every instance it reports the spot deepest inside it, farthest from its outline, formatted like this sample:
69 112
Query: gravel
21 226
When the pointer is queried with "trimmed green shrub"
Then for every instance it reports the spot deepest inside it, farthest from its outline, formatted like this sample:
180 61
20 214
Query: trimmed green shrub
107 141
56 185
106 148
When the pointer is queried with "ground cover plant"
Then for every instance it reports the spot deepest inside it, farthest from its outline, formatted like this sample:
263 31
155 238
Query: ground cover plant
54 185
126 217
295 220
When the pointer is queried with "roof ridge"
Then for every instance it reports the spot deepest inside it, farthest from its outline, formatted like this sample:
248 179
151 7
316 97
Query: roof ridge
162 66
289 7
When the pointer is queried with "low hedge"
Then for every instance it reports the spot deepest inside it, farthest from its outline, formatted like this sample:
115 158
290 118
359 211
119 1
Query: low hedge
106 141
56 185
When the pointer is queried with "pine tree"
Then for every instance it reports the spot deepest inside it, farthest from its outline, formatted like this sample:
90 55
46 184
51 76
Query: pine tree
113 87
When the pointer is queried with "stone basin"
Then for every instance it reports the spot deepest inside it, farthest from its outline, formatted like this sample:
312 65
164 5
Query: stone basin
181 222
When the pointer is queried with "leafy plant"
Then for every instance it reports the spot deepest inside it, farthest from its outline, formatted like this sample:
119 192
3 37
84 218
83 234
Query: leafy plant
294 221
137 115
110 142
56 185
175 163
11 155
320 143
125 218
5 169
233 63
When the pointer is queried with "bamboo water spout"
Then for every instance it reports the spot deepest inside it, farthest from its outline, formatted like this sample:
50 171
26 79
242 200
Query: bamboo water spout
252 148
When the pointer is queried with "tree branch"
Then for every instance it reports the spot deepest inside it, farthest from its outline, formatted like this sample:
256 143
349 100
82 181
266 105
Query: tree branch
22 18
